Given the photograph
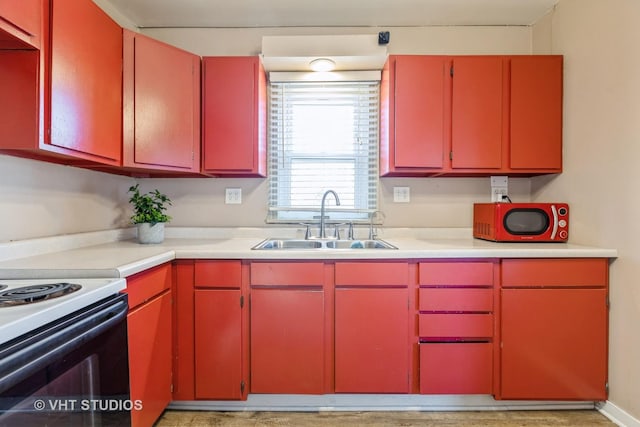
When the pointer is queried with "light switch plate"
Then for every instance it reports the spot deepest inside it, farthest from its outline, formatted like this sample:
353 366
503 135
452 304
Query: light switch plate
401 194
233 196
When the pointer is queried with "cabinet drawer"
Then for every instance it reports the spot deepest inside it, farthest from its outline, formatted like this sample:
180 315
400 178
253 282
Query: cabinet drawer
456 274
455 325
456 368
571 272
143 286
218 274
456 299
287 273
372 274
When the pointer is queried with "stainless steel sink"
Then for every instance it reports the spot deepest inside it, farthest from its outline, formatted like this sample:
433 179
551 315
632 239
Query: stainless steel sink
298 244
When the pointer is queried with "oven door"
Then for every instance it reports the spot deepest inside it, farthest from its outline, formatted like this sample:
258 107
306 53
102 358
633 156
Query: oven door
73 371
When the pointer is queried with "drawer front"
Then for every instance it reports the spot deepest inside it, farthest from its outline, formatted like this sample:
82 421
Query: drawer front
570 272
372 274
218 274
435 326
143 286
456 368
456 274
287 274
456 299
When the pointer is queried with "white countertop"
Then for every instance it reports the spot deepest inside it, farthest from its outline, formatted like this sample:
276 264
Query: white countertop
127 257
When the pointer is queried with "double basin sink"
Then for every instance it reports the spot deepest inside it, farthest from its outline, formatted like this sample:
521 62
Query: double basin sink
319 244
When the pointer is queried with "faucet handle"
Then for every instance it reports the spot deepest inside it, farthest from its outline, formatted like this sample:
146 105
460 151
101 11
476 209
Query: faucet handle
307 232
372 232
336 230
350 232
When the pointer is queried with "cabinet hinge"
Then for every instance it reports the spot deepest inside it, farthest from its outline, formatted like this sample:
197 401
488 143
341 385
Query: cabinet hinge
171 387
451 71
450 155
606 387
242 385
608 301
241 301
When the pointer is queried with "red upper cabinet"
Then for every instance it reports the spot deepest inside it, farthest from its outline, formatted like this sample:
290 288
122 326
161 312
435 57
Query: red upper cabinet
234 116
161 106
86 82
536 113
412 114
471 115
66 102
476 112
20 24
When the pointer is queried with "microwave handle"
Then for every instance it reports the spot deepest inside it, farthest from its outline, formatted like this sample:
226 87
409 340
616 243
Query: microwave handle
554 211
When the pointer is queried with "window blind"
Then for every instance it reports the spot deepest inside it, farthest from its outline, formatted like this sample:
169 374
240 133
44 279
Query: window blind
323 136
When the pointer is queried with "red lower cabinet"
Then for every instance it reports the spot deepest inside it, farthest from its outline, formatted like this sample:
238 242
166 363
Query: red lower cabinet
218 344
219 330
371 341
150 346
287 341
554 344
456 368
456 327
554 329
150 324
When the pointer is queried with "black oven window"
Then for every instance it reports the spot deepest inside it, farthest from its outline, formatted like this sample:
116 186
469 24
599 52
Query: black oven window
526 221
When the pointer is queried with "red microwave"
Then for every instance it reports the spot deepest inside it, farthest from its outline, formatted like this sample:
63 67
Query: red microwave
521 222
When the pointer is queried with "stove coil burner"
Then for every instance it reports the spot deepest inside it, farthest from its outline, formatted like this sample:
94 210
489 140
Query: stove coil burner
3 287
36 293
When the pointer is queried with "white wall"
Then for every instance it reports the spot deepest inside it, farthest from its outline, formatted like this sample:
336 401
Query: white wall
435 202
599 40
39 199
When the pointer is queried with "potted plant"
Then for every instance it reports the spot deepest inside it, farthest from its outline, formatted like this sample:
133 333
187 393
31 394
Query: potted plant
149 214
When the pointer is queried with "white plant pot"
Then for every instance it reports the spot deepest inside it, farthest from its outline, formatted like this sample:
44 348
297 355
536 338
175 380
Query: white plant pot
148 233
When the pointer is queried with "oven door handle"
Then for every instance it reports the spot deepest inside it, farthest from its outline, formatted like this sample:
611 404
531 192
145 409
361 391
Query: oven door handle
28 359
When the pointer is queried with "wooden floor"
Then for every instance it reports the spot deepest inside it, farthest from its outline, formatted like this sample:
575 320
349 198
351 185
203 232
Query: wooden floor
387 419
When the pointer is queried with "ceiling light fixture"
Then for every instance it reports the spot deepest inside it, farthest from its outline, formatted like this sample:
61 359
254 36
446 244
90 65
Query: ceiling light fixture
322 64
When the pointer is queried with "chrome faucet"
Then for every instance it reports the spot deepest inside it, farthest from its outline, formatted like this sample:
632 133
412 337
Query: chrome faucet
323 233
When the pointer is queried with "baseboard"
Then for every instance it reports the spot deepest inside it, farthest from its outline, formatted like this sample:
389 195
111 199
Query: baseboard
617 414
374 402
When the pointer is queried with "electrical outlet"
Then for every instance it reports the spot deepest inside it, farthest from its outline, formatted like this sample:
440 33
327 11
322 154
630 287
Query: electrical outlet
401 194
233 196
499 188
498 194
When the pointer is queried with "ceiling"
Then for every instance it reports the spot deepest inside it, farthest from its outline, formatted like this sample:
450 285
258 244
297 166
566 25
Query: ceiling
330 13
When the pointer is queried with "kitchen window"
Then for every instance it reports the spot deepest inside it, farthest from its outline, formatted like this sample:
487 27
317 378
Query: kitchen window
323 136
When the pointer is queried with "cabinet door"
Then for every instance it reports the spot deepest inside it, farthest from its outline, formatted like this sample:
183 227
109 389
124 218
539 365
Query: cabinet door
287 341
218 344
161 106
86 81
150 359
20 23
371 341
234 115
476 138
419 111
554 344
456 368
536 112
